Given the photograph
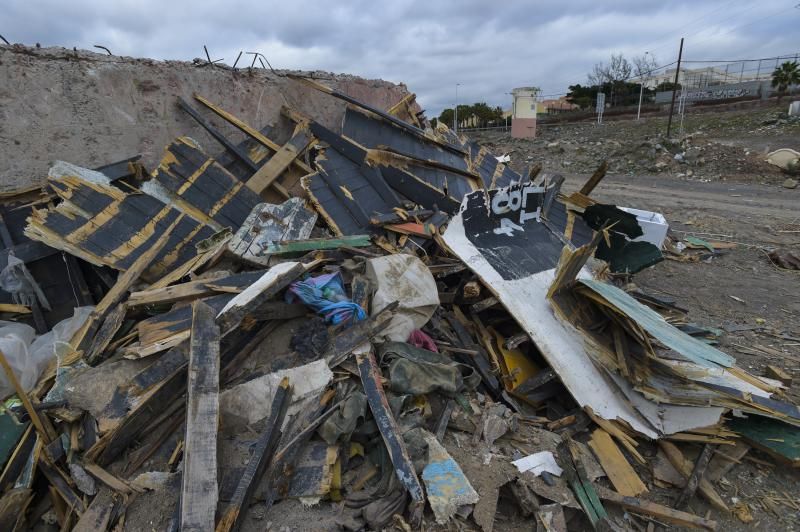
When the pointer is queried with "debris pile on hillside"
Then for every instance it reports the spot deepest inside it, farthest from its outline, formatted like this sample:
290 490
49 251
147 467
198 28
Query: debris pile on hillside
387 318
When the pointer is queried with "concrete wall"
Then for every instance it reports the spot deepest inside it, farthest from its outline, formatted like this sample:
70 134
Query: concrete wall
721 92
91 109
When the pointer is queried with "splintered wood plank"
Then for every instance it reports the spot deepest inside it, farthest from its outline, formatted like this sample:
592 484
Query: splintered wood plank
684 467
619 471
98 515
662 513
403 467
249 130
696 476
723 461
593 181
231 520
193 289
200 491
80 340
108 330
262 290
278 163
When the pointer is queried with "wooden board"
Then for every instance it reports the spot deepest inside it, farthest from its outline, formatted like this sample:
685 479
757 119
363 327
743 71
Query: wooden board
199 491
404 468
278 163
193 289
262 452
619 471
199 186
662 513
106 226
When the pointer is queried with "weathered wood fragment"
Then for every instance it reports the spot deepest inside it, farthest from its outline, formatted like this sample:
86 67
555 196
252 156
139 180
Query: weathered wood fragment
98 515
696 476
343 344
620 472
200 491
111 324
595 179
658 511
280 161
404 468
684 467
81 339
262 452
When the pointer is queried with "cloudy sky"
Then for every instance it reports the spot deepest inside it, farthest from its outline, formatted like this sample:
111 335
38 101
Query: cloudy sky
486 47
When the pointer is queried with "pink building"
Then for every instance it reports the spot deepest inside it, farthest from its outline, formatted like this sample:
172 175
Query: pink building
523 113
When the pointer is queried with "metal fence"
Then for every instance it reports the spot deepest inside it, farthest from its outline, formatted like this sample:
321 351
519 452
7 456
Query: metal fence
739 71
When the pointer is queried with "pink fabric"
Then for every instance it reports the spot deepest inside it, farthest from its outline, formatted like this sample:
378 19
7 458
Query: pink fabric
418 338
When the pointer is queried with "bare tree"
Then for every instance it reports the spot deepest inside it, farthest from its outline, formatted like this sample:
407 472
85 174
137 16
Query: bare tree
644 65
617 69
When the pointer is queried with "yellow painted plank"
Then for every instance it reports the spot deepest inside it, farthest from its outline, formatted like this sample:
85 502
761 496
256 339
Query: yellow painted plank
619 471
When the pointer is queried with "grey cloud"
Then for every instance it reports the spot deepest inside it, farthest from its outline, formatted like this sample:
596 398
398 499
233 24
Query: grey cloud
487 47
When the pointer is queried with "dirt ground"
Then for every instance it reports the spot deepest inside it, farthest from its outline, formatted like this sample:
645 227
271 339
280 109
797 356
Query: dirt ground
732 196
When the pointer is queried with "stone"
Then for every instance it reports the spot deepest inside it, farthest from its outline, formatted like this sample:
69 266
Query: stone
790 183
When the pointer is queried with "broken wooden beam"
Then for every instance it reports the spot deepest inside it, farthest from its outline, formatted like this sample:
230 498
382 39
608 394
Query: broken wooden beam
595 179
262 453
262 290
281 160
662 513
619 471
81 339
193 289
679 462
342 345
252 132
218 136
376 398
696 476
200 491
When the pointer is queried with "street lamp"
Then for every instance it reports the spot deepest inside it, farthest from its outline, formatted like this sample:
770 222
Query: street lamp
455 111
641 92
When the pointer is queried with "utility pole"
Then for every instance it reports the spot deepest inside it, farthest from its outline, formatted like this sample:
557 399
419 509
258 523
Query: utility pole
455 112
641 90
675 88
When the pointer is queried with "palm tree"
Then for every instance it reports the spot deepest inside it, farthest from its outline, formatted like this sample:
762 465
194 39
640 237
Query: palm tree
784 76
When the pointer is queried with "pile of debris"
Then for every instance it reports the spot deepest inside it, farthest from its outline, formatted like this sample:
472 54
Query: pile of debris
389 319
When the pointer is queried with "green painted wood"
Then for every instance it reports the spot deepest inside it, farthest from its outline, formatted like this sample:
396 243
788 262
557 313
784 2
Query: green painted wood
776 438
314 244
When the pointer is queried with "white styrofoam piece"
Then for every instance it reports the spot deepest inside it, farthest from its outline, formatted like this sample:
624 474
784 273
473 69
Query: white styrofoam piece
653 224
538 462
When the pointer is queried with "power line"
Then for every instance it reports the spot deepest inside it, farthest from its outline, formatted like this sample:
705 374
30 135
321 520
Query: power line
725 19
681 29
745 25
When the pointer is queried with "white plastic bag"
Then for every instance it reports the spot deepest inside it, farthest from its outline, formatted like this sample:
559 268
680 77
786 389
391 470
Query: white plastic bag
29 357
406 279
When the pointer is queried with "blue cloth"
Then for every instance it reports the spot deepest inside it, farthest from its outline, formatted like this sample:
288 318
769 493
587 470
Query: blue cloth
325 294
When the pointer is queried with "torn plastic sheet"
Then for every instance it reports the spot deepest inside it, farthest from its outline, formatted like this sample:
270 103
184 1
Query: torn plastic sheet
406 279
29 355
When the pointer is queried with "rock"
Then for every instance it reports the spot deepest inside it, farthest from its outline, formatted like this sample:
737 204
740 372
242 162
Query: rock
660 165
83 481
790 183
679 157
